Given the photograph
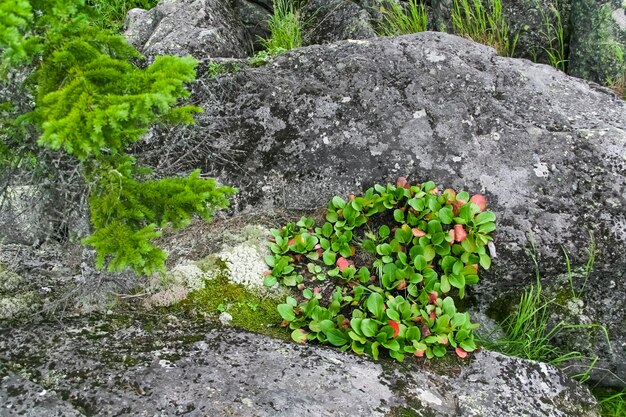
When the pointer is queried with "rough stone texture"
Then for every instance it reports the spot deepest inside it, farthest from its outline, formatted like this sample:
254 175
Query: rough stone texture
254 17
334 20
201 28
96 369
548 150
598 44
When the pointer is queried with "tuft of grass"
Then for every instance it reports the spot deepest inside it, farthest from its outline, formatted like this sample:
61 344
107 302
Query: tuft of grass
286 28
527 330
554 36
527 333
591 258
613 404
110 14
398 20
484 24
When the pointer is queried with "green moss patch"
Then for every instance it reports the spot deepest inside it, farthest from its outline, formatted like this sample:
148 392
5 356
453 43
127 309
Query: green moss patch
250 311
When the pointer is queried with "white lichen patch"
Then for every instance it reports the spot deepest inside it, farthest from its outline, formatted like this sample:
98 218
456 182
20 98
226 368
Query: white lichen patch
9 281
175 286
189 275
16 306
244 265
167 297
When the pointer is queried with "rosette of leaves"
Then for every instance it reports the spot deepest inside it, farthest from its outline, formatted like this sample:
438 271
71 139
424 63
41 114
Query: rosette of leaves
384 269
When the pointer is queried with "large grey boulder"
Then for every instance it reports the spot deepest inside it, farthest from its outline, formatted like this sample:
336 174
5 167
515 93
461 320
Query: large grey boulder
548 151
93 369
201 28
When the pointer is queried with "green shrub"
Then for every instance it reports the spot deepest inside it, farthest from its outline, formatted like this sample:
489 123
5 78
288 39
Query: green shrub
381 271
483 24
398 20
93 102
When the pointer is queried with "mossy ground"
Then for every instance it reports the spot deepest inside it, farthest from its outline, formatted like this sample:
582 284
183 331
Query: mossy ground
250 311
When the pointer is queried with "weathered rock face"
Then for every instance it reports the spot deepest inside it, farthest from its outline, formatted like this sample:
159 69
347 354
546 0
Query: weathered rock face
598 45
254 17
201 28
548 150
335 20
97 370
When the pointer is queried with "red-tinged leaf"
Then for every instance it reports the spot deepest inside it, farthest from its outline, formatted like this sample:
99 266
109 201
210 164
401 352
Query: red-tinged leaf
432 315
480 201
401 285
459 233
451 195
461 353
456 205
291 241
419 353
316 290
418 233
318 246
299 336
402 183
267 272
395 326
342 263
451 232
432 297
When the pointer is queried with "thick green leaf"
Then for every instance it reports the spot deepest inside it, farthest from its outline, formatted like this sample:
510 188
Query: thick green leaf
445 284
375 304
369 327
457 281
419 262
393 314
286 312
485 261
336 337
446 215
338 202
290 280
329 257
484 217
448 306
392 345
398 215
270 281
487 228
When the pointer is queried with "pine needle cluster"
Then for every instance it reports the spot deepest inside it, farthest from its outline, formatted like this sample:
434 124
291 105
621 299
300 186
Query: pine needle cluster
93 102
